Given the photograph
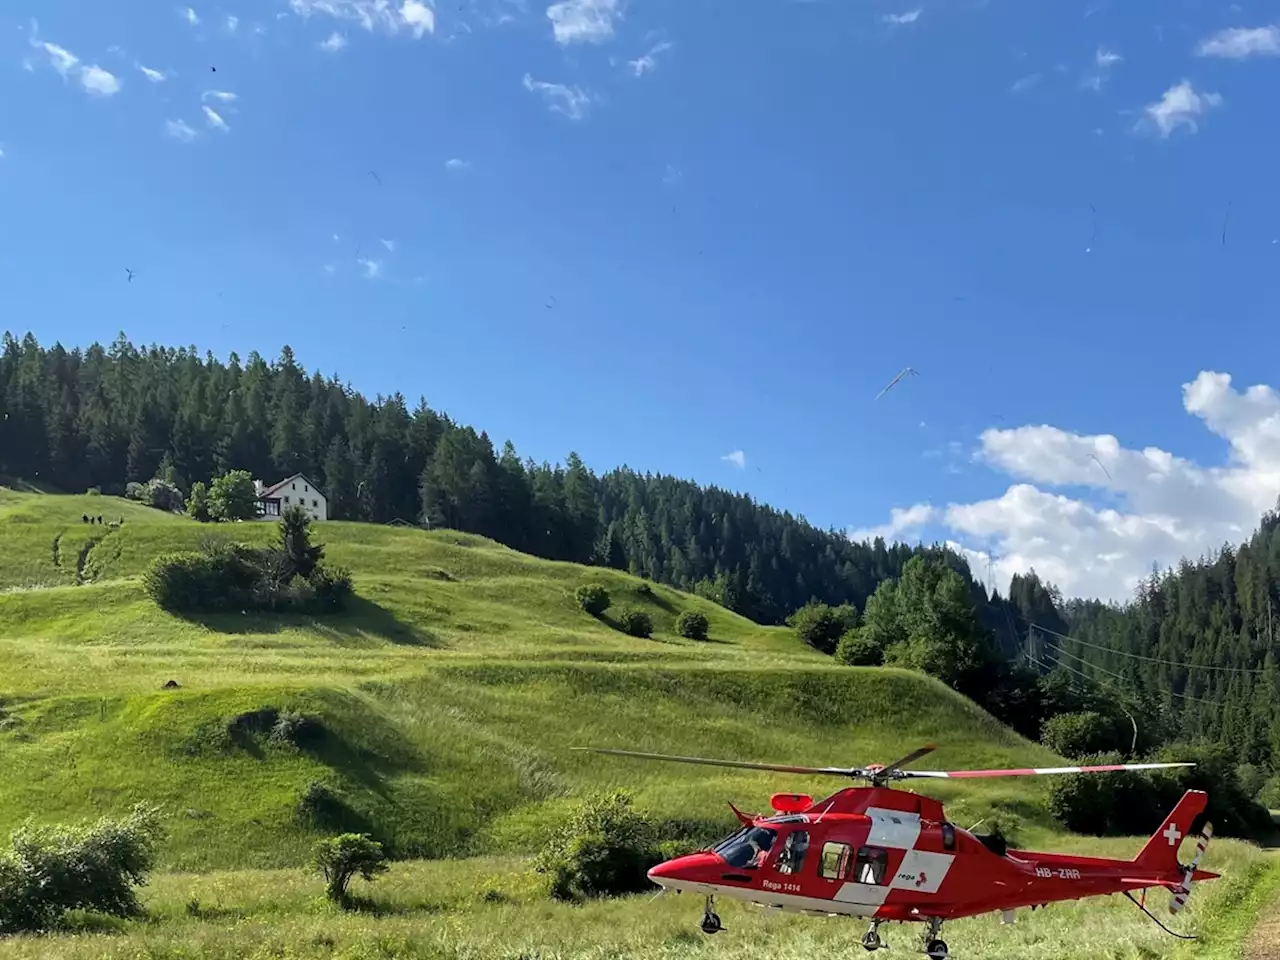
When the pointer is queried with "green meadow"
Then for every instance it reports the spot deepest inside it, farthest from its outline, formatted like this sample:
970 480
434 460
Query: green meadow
451 695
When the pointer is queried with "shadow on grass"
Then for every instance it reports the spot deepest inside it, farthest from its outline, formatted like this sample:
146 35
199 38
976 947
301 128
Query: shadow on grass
362 617
380 908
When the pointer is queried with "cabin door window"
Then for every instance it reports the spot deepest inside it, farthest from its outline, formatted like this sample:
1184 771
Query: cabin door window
791 856
871 865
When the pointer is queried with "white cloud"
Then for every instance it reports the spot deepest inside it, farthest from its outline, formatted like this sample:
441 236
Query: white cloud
232 23
1106 58
911 16
570 101
190 16
1239 43
418 17
1179 106
583 21
1103 60
456 164
415 15
372 268
329 268
61 59
214 120
179 130
907 520
223 96
99 82
335 42
390 245
336 238
1 153
1026 83
155 76
737 458
1165 507
649 61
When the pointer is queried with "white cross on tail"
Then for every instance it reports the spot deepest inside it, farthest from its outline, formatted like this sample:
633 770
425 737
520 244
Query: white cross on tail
1173 834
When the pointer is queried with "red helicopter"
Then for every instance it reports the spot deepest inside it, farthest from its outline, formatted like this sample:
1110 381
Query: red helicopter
888 854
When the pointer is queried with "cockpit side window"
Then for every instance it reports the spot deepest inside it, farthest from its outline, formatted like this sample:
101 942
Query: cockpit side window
948 836
791 856
870 865
748 847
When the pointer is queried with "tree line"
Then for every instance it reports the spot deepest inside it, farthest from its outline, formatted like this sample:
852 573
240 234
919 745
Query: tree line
106 417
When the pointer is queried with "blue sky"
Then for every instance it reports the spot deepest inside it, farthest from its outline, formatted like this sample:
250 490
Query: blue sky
751 217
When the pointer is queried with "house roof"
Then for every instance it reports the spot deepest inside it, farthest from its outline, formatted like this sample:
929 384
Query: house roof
269 491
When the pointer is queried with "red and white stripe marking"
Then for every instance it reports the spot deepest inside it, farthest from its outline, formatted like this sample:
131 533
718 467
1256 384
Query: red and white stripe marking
1035 771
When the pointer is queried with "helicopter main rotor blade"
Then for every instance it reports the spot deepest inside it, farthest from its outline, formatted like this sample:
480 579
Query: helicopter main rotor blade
776 767
1038 771
911 757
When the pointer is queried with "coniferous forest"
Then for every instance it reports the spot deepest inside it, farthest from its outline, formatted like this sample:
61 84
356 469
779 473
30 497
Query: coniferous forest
1191 657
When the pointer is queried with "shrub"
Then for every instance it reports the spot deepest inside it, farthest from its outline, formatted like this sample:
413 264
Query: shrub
822 626
320 806
135 491
94 492
295 542
1251 779
1120 803
1232 811
330 587
54 869
164 495
635 622
341 858
1078 734
296 729
1269 795
860 648
592 598
233 497
692 625
604 848
198 503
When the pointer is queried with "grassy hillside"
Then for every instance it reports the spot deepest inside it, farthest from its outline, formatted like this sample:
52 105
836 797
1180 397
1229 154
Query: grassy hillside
449 698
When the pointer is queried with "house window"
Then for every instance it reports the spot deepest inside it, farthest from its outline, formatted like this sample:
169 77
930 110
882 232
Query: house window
305 488
791 859
871 865
286 499
835 861
315 503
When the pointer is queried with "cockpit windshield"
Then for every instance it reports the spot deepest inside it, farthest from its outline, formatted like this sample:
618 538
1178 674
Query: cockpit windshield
747 847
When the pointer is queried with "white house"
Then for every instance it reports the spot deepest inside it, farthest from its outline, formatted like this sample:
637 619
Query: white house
295 491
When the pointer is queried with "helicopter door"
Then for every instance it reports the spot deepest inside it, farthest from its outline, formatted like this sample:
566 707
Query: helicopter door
871 865
835 861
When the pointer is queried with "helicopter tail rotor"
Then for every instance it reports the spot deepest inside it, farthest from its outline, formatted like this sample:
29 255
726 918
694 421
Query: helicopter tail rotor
1183 891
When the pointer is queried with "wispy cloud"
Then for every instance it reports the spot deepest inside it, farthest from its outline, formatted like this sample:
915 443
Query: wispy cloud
222 96
583 21
642 65
190 16
737 458
329 268
1180 106
99 82
1 153
457 164
389 244
233 23
907 520
911 16
335 42
372 268
416 16
179 130
155 76
1026 83
214 120
1103 61
61 59
570 101
1240 43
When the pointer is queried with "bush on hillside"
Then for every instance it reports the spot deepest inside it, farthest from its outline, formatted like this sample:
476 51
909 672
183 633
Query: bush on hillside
692 625
53 869
297 729
1120 803
1078 734
341 858
605 848
1269 795
1251 779
860 648
198 503
164 495
635 622
1232 812
593 599
821 626
225 576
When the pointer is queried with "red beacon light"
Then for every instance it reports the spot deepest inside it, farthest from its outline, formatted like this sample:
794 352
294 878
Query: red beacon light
791 802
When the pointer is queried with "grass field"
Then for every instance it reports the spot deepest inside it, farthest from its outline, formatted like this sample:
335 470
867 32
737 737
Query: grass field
450 697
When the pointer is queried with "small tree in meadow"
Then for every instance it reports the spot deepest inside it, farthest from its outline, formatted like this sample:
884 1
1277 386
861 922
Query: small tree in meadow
198 503
692 625
593 599
232 497
635 622
343 857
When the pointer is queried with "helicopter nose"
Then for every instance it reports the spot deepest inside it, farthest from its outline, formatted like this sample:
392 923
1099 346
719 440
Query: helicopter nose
694 868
